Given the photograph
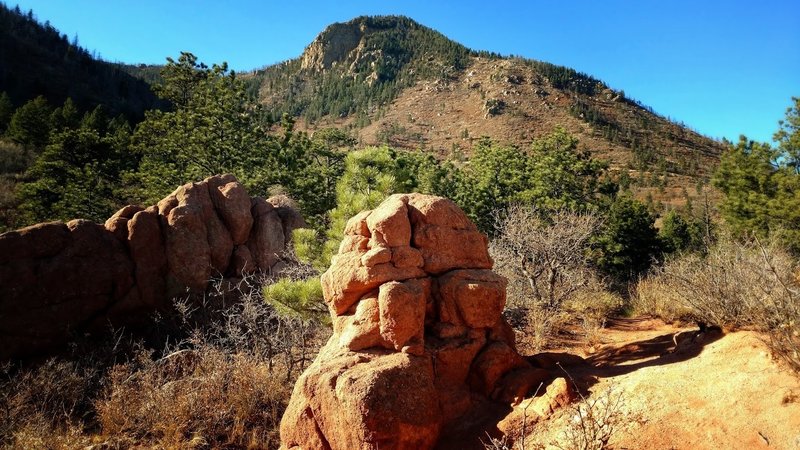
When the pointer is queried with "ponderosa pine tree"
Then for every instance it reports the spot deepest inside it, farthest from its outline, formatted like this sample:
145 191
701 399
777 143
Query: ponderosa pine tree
553 175
30 124
788 136
210 129
761 184
78 175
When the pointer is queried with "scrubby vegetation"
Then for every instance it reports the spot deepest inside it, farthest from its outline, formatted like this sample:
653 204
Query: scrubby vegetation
215 372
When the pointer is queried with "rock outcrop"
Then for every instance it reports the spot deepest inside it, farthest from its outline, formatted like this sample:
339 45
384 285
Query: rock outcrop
57 279
419 341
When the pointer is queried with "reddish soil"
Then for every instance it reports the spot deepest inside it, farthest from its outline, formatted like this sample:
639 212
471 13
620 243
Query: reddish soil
717 391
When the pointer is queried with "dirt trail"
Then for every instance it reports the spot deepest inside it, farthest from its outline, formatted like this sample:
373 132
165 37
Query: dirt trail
714 392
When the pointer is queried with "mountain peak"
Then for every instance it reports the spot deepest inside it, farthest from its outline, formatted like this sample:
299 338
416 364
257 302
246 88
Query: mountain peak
332 45
371 42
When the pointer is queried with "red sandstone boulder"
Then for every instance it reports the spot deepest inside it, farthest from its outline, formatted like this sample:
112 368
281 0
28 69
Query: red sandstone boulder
57 279
118 223
363 401
418 338
266 241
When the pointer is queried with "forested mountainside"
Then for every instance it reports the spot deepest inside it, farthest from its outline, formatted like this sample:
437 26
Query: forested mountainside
391 80
36 59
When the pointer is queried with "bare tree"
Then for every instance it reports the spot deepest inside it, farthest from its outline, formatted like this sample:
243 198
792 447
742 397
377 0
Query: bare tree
548 252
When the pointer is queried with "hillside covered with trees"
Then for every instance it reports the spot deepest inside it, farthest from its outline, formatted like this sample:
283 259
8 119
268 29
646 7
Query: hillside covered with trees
390 80
36 59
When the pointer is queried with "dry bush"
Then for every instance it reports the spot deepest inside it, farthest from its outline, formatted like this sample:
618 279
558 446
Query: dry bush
656 296
226 384
544 258
546 253
47 406
215 372
202 397
501 443
730 287
13 158
592 306
738 284
594 421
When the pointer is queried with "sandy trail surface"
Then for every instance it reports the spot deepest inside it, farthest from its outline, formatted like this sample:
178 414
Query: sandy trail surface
714 391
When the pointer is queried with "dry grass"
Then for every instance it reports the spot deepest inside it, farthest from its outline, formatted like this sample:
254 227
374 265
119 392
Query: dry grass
218 372
196 398
656 296
49 407
593 306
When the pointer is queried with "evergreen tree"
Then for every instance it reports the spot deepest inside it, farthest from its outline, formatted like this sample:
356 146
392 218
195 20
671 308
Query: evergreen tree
78 175
6 111
65 116
679 233
788 136
628 243
761 184
30 124
370 175
553 175
211 129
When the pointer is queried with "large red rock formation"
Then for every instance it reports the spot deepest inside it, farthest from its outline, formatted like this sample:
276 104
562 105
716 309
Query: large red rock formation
57 279
418 341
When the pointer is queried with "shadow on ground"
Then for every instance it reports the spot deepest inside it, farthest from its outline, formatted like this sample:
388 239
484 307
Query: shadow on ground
611 361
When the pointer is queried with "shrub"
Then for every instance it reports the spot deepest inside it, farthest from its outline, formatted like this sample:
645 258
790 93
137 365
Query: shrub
592 306
13 158
297 298
215 372
545 259
594 421
47 406
738 284
203 397
655 296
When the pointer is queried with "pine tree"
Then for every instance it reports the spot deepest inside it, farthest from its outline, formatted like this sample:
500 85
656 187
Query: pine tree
30 124
6 111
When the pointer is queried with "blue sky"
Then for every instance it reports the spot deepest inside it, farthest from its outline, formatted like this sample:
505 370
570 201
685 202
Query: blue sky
722 67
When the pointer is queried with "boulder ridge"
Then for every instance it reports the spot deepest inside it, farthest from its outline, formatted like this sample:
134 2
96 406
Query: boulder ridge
57 279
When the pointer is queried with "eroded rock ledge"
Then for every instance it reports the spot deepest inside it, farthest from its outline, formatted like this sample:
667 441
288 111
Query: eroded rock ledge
59 278
419 340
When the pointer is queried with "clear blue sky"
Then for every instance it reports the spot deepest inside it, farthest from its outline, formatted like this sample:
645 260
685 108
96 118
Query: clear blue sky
722 67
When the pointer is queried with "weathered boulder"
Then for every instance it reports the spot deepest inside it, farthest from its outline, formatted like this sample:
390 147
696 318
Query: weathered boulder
57 279
418 340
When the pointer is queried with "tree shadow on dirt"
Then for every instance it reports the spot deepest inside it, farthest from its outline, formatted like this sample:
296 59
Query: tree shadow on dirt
481 425
613 360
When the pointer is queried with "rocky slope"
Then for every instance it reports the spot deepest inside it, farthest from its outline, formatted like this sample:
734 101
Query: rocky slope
391 80
58 279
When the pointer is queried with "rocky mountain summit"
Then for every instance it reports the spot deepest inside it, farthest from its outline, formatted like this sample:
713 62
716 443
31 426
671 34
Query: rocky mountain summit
419 342
62 278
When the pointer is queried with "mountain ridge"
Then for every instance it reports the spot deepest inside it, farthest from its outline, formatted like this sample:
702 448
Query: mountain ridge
388 79
36 59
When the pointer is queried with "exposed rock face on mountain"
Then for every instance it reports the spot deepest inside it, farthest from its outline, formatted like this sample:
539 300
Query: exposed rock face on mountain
333 46
419 340
57 279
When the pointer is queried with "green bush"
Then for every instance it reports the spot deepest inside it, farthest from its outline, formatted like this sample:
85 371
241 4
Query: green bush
297 298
